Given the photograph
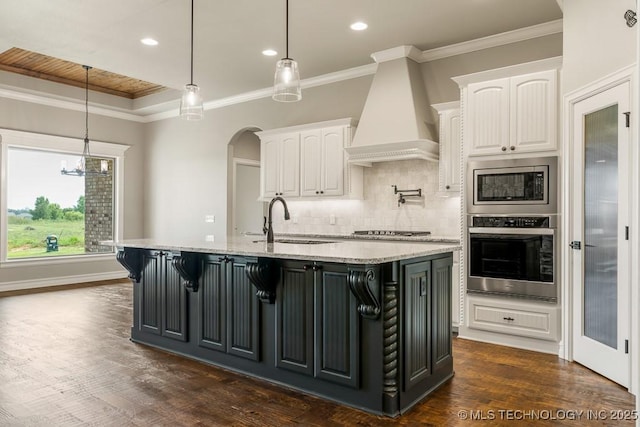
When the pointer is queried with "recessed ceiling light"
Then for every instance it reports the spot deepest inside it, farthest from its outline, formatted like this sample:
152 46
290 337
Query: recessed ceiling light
359 26
269 52
149 41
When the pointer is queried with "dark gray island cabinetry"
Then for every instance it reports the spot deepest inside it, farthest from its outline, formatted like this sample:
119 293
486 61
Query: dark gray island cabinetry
368 327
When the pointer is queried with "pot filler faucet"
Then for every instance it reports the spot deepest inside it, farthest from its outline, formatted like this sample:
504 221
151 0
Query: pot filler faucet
269 230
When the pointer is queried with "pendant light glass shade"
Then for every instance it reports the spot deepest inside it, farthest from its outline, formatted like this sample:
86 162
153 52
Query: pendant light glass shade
286 84
191 103
191 107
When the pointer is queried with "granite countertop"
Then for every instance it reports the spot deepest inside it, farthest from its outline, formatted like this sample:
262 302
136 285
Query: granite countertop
340 250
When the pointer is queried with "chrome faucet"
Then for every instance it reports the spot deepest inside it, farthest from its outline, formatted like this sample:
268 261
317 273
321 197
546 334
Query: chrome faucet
270 226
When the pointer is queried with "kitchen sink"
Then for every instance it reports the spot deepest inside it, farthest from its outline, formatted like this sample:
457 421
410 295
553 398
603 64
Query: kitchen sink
297 241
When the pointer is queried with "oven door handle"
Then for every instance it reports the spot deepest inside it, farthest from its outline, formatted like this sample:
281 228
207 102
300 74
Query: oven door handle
505 230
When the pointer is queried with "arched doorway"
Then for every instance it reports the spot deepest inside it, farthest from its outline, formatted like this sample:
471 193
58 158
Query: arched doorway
244 209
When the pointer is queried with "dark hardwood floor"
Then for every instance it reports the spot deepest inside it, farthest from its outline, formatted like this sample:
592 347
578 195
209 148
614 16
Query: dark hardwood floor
66 360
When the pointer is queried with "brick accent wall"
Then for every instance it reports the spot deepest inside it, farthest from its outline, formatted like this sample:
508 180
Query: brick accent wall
98 211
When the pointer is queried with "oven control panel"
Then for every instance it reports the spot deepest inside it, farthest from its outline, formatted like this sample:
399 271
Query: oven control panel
511 221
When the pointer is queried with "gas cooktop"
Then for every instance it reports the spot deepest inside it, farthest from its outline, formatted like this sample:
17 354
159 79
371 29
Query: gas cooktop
390 233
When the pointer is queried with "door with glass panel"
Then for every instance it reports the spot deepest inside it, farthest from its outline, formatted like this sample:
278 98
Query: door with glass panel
599 233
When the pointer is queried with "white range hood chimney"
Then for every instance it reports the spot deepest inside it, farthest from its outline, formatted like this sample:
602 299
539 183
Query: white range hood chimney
393 124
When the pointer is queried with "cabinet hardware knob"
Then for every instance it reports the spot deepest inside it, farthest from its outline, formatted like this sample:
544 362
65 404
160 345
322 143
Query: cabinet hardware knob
504 148
317 192
513 147
321 192
447 187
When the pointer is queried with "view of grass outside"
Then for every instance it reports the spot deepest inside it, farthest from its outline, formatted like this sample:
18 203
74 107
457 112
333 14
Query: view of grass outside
45 215
46 230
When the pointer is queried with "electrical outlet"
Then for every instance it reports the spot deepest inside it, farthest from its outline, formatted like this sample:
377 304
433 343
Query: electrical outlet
332 219
209 218
295 219
209 238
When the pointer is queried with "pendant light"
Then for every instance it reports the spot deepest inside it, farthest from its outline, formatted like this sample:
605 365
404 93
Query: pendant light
191 102
82 167
286 84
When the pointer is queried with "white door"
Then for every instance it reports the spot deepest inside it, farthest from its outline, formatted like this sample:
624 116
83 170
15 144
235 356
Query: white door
600 267
247 210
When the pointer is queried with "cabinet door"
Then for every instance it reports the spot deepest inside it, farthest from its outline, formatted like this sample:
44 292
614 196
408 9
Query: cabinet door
270 174
418 317
487 121
533 106
243 312
294 308
212 302
337 325
450 146
289 165
150 293
332 170
311 162
174 302
441 349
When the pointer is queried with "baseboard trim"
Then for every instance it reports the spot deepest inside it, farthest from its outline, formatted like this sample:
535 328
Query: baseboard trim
60 281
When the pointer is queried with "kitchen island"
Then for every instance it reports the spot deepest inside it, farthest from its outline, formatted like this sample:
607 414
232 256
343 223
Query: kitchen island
363 323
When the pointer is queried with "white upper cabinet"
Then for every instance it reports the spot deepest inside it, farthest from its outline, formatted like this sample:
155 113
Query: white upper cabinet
280 165
310 161
487 121
512 114
322 162
533 101
450 146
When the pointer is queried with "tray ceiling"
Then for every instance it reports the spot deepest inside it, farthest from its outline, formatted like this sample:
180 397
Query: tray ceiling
45 67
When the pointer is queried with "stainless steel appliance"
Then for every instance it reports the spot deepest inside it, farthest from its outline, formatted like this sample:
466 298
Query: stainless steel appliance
512 186
513 255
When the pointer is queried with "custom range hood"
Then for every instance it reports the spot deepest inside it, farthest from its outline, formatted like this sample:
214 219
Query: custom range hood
393 125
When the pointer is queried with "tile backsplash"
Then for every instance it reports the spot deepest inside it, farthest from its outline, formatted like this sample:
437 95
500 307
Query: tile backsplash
379 210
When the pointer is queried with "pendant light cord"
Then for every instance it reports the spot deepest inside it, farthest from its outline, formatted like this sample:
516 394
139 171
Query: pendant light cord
86 104
192 42
287 30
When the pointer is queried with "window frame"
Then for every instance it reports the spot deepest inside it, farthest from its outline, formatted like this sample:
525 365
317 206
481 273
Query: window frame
58 144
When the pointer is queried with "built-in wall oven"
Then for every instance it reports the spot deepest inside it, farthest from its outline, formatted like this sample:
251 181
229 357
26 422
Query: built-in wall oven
512 227
513 256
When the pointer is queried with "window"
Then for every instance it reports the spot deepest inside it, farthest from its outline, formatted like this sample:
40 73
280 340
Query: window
47 214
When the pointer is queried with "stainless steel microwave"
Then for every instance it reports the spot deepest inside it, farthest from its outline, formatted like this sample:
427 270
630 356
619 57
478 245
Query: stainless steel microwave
512 186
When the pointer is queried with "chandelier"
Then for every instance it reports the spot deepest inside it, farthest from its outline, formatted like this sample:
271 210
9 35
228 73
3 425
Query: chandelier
84 165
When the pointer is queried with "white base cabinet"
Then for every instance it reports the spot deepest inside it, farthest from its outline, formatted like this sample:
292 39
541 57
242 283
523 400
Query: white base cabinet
514 317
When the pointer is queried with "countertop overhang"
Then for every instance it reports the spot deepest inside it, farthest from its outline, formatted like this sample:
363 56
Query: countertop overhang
335 250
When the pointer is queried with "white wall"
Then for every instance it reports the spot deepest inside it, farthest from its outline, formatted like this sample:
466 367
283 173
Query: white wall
186 177
186 172
597 41
30 117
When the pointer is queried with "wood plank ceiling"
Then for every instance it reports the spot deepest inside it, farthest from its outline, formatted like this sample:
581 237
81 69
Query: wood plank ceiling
27 63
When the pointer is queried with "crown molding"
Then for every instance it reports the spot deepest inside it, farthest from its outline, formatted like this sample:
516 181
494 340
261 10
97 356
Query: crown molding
67 104
351 73
171 109
521 34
